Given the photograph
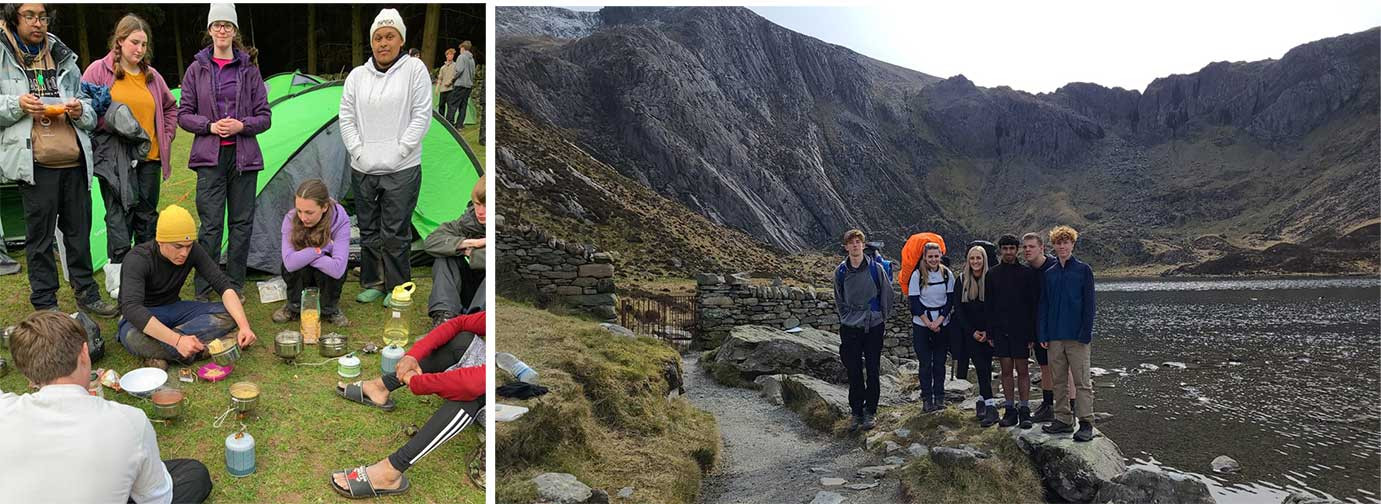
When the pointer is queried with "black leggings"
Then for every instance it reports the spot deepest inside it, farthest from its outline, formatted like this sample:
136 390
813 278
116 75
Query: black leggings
970 350
450 419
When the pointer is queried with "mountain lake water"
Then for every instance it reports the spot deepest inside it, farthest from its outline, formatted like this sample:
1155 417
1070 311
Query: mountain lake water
1283 375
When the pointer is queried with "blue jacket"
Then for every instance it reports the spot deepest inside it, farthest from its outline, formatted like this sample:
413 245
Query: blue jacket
1067 304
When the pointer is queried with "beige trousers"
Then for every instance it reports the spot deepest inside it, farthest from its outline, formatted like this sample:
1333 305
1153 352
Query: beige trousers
1071 357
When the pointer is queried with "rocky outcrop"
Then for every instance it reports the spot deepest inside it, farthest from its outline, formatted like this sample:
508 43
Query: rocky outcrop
698 103
753 351
1075 471
545 22
1140 485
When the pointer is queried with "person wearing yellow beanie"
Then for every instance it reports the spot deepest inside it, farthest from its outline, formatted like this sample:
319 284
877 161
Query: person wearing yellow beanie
158 325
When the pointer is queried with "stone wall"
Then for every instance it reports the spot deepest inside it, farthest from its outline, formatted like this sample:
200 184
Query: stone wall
725 301
572 273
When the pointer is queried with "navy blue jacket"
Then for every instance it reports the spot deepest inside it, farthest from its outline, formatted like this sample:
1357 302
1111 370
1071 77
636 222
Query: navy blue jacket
1066 305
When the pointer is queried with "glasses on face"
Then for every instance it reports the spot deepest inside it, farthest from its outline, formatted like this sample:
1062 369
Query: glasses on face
35 18
222 27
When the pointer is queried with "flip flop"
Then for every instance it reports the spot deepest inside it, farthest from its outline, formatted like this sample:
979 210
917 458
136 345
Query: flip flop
361 487
354 392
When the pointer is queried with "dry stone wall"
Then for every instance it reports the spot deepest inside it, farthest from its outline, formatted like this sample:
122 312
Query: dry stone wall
574 273
726 301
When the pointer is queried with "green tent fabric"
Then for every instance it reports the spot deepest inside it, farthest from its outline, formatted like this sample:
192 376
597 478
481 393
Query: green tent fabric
305 143
279 84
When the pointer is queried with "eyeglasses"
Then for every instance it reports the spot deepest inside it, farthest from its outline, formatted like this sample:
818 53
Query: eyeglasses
219 26
38 18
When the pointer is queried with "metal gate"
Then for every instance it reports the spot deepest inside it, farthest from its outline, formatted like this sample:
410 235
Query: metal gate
674 319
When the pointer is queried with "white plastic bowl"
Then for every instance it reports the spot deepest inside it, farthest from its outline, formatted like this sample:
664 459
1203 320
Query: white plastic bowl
143 381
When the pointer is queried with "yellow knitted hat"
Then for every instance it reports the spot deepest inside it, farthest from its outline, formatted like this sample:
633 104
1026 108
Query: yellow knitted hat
175 224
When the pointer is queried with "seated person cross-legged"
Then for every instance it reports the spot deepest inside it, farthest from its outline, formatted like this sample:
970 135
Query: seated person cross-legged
62 444
156 324
448 362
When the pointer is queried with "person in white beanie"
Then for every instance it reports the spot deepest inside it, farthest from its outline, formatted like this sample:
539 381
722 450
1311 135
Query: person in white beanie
225 106
385 110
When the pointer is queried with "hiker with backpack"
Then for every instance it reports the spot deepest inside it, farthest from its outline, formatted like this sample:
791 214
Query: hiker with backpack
385 111
930 295
46 119
862 299
973 336
131 141
225 105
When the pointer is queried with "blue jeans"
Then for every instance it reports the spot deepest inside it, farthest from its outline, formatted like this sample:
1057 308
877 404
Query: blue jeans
205 321
930 351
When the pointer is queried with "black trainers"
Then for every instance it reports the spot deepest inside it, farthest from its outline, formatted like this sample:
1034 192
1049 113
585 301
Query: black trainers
1057 427
1024 417
1009 417
99 308
989 417
868 422
440 317
1085 432
1045 413
856 423
926 406
978 410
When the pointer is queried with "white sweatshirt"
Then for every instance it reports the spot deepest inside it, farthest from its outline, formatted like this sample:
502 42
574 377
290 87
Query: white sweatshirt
385 115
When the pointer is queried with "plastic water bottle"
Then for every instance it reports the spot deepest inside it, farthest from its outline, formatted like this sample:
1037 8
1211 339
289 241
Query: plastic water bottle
515 367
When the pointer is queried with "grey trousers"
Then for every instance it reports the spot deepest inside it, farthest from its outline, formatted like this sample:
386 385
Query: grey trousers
455 287
384 206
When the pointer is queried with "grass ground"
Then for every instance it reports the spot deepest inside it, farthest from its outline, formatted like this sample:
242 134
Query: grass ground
301 429
606 419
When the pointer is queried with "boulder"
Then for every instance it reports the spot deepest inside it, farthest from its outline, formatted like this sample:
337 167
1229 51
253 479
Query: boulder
770 386
561 488
1073 470
962 457
1225 464
1306 498
1142 485
755 350
618 330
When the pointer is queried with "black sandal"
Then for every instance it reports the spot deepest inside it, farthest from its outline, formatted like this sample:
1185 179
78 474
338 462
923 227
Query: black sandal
361 487
354 392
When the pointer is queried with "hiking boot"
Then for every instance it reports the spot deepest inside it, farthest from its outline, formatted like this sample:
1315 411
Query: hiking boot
284 315
1009 417
1044 413
927 405
989 417
868 423
440 317
369 296
338 319
856 423
1085 432
978 410
99 308
1057 427
156 363
1024 417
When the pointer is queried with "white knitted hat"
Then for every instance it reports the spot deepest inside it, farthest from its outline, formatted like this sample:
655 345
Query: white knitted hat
222 12
389 18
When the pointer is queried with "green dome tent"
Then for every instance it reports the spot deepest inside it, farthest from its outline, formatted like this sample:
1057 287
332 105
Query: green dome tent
279 84
305 143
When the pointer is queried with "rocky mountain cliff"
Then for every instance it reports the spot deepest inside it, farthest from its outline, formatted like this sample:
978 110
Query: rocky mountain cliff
792 140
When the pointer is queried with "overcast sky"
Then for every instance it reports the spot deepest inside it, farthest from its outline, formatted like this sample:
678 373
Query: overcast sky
1036 47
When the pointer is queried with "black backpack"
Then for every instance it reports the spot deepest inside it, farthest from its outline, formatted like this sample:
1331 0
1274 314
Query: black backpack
95 344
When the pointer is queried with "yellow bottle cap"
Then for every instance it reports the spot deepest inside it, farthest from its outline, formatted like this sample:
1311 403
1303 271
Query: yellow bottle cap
403 292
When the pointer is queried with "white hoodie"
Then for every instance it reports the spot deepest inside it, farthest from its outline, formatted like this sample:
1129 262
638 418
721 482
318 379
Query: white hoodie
385 115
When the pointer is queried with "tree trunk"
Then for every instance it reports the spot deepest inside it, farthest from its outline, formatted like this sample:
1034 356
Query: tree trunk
429 29
177 44
311 39
356 37
83 46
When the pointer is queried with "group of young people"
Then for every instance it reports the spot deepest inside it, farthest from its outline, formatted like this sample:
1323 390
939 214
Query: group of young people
117 121
1043 305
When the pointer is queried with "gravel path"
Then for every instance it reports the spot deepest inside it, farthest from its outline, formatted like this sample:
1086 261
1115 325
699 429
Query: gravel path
769 452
